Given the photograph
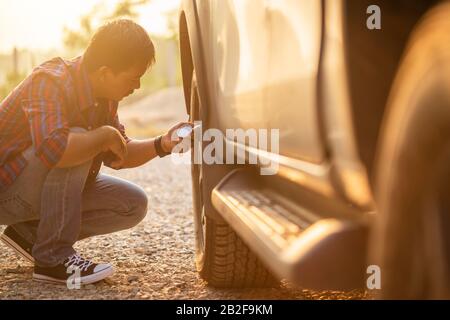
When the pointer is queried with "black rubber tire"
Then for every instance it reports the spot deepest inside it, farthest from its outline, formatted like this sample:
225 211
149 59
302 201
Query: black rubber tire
222 258
410 240
229 263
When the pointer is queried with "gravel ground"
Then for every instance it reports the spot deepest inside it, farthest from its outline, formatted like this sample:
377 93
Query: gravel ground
154 260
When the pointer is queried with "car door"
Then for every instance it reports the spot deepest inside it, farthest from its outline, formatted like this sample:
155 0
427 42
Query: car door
239 47
293 61
265 57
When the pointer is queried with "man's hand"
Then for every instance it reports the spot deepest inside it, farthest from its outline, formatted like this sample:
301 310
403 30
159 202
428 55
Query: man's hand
115 143
142 151
170 139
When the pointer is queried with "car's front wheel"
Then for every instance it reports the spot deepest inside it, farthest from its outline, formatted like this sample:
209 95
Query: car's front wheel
222 258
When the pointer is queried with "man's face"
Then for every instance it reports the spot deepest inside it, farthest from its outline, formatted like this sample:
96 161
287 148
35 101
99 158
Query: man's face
120 85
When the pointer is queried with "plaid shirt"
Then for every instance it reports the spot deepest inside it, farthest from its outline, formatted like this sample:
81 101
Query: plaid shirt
40 111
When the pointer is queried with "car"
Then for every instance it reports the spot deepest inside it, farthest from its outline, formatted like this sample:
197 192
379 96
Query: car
359 197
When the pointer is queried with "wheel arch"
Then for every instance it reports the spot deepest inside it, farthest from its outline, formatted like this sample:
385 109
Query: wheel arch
191 50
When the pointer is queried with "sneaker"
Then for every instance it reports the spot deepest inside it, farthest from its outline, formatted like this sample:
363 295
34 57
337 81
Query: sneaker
89 272
16 242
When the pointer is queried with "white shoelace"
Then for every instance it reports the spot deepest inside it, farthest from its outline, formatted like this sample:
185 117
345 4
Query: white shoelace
78 261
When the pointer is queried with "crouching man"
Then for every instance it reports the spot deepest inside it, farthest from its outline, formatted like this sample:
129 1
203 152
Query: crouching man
57 127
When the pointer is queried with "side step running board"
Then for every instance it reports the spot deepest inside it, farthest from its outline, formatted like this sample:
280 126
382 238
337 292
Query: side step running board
293 242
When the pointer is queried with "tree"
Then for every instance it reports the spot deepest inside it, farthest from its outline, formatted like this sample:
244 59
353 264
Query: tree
76 40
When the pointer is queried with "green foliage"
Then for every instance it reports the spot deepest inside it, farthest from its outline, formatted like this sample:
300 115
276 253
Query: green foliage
11 81
166 71
76 40
126 8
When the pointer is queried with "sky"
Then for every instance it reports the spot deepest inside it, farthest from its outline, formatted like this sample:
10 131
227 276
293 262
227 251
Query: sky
39 24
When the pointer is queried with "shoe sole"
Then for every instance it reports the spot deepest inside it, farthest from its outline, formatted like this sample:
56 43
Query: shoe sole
83 280
18 249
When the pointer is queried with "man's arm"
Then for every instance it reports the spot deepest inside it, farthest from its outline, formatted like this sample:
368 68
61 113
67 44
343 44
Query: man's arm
139 152
84 146
142 151
54 144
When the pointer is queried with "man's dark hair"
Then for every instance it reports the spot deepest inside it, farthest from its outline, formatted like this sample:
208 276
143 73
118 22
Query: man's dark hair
119 44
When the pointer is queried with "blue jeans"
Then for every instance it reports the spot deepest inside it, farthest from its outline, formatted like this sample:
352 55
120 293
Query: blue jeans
54 208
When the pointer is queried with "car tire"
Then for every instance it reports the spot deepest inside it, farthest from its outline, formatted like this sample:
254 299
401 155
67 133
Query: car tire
410 241
222 258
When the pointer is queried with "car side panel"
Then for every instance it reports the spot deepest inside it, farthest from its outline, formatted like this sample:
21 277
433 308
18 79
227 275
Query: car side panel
295 29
